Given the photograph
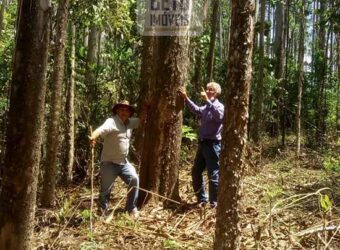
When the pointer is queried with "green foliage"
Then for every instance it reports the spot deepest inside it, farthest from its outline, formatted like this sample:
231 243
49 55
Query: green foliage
91 245
332 163
85 214
325 203
273 192
6 51
123 220
188 133
171 244
64 211
112 15
267 27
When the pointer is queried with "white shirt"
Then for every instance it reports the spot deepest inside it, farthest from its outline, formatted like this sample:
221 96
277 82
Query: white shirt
116 139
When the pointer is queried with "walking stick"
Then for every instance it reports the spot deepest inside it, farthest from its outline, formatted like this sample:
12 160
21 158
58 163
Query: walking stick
92 171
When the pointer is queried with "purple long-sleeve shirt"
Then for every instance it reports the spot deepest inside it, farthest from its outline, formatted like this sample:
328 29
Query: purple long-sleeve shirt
211 115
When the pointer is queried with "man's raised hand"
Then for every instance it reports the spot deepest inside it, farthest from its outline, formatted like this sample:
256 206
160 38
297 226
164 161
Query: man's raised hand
183 93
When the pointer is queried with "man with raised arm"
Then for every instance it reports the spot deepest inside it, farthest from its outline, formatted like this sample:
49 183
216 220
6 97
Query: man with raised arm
209 147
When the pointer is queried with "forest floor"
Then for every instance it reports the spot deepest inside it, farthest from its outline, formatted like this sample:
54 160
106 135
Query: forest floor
286 204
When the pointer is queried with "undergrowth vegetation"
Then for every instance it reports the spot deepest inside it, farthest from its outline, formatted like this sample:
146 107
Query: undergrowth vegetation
287 204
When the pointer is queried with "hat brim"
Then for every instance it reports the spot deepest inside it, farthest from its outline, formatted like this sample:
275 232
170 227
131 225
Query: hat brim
121 105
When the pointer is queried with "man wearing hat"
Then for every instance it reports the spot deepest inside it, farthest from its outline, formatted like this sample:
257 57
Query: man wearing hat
116 132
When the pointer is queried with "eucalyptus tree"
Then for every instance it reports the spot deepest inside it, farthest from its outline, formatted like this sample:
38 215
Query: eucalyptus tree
213 26
279 51
320 72
69 131
337 73
164 69
300 75
159 167
257 122
234 136
53 134
24 132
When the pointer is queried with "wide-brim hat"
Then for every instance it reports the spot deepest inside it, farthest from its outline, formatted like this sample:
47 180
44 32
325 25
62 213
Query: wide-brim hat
122 104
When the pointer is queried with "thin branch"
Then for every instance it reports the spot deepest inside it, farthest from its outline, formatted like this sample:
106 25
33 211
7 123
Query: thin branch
317 230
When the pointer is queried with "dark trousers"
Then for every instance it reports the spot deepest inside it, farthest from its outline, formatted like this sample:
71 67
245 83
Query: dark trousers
207 157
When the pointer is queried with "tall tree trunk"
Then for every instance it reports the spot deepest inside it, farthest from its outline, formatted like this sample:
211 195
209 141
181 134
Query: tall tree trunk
338 83
315 28
320 71
255 45
256 19
69 110
99 48
19 187
213 26
235 125
257 123
279 50
227 33
257 11
161 147
283 86
2 15
53 134
300 77
268 40
220 35
197 77
90 73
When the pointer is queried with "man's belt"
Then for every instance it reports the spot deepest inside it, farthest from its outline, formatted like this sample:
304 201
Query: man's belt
209 141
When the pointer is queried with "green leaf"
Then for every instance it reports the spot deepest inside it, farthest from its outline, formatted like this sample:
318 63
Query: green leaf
325 202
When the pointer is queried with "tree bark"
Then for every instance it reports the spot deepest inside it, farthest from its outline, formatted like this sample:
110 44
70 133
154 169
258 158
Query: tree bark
213 26
235 125
279 50
161 148
53 133
197 77
227 34
18 193
283 85
90 73
69 110
320 71
300 77
338 83
268 40
220 35
99 48
315 28
257 123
